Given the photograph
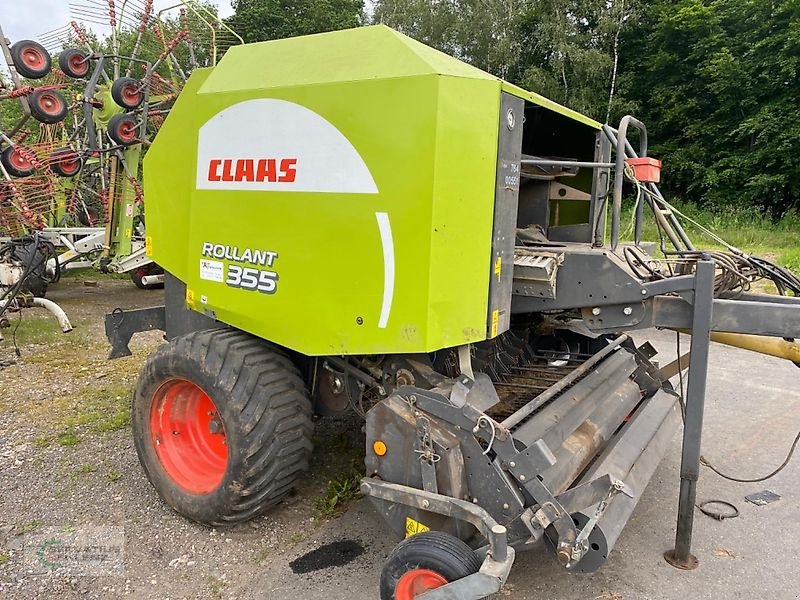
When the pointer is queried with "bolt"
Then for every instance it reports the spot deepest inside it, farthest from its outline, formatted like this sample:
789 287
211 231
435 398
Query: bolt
214 426
474 500
644 292
505 506
628 311
522 477
564 556
176 433
425 504
512 464
595 311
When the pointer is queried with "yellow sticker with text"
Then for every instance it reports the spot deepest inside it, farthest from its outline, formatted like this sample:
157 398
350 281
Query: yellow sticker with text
190 297
414 527
498 267
148 245
495 322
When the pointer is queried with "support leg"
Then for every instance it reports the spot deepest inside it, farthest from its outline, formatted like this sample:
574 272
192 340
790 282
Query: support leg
681 556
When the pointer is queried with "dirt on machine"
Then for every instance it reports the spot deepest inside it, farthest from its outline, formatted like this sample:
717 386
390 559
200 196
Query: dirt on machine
366 224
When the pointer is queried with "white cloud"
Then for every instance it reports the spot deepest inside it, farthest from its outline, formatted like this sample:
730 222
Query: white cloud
30 19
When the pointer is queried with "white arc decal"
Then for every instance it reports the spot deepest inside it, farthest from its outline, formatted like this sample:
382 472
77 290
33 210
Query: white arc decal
266 144
387 244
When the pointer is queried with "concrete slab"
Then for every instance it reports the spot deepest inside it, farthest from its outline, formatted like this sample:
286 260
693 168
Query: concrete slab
752 416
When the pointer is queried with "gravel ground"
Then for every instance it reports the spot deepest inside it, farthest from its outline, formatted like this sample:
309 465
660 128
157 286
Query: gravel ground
67 464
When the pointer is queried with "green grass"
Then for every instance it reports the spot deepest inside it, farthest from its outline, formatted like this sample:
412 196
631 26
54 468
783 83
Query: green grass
748 229
342 463
341 490
4 557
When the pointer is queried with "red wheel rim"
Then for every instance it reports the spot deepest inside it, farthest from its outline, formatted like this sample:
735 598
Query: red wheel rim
78 64
188 436
70 164
33 58
416 582
126 131
50 104
131 94
20 162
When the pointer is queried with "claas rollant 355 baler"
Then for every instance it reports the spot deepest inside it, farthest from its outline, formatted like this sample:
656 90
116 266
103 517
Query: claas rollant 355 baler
353 221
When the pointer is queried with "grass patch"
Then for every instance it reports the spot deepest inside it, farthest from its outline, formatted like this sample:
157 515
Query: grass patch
5 557
215 587
35 328
68 438
343 465
295 539
27 527
92 274
747 229
341 490
114 476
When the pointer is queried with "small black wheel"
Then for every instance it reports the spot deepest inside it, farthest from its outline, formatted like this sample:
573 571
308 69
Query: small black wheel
65 162
87 216
48 106
31 59
138 274
17 161
425 562
122 129
222 425
74 63
127 92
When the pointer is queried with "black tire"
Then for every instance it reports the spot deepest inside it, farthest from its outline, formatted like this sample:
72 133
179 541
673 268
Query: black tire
122 129
15 161
31 59
37 281
65 162
435 551
48 106
127 92
141 272
74 63
265 416
87 216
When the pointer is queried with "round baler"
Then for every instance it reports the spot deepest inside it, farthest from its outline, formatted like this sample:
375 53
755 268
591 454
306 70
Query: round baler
364 223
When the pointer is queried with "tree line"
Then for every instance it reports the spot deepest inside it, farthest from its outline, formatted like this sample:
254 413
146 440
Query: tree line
716 81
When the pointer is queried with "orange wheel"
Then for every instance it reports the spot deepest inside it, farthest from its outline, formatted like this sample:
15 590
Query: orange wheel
424 562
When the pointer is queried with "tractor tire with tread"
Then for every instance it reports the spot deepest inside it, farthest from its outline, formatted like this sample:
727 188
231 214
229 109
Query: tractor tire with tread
433 551
264 413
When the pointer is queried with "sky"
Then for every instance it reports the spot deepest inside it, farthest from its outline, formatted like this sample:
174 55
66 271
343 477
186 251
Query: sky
28 19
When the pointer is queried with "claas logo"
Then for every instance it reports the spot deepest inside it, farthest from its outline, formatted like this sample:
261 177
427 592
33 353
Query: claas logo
253 170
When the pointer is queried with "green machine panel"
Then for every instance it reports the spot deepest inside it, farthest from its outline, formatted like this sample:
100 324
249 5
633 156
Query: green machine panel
334 193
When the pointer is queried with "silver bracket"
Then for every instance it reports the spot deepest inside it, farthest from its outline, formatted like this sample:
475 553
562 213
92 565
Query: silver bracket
465 361
427 457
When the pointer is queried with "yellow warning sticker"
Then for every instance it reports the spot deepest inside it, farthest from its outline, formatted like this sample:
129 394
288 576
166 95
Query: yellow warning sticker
495 321
190 297
414 527
148 245
498 267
